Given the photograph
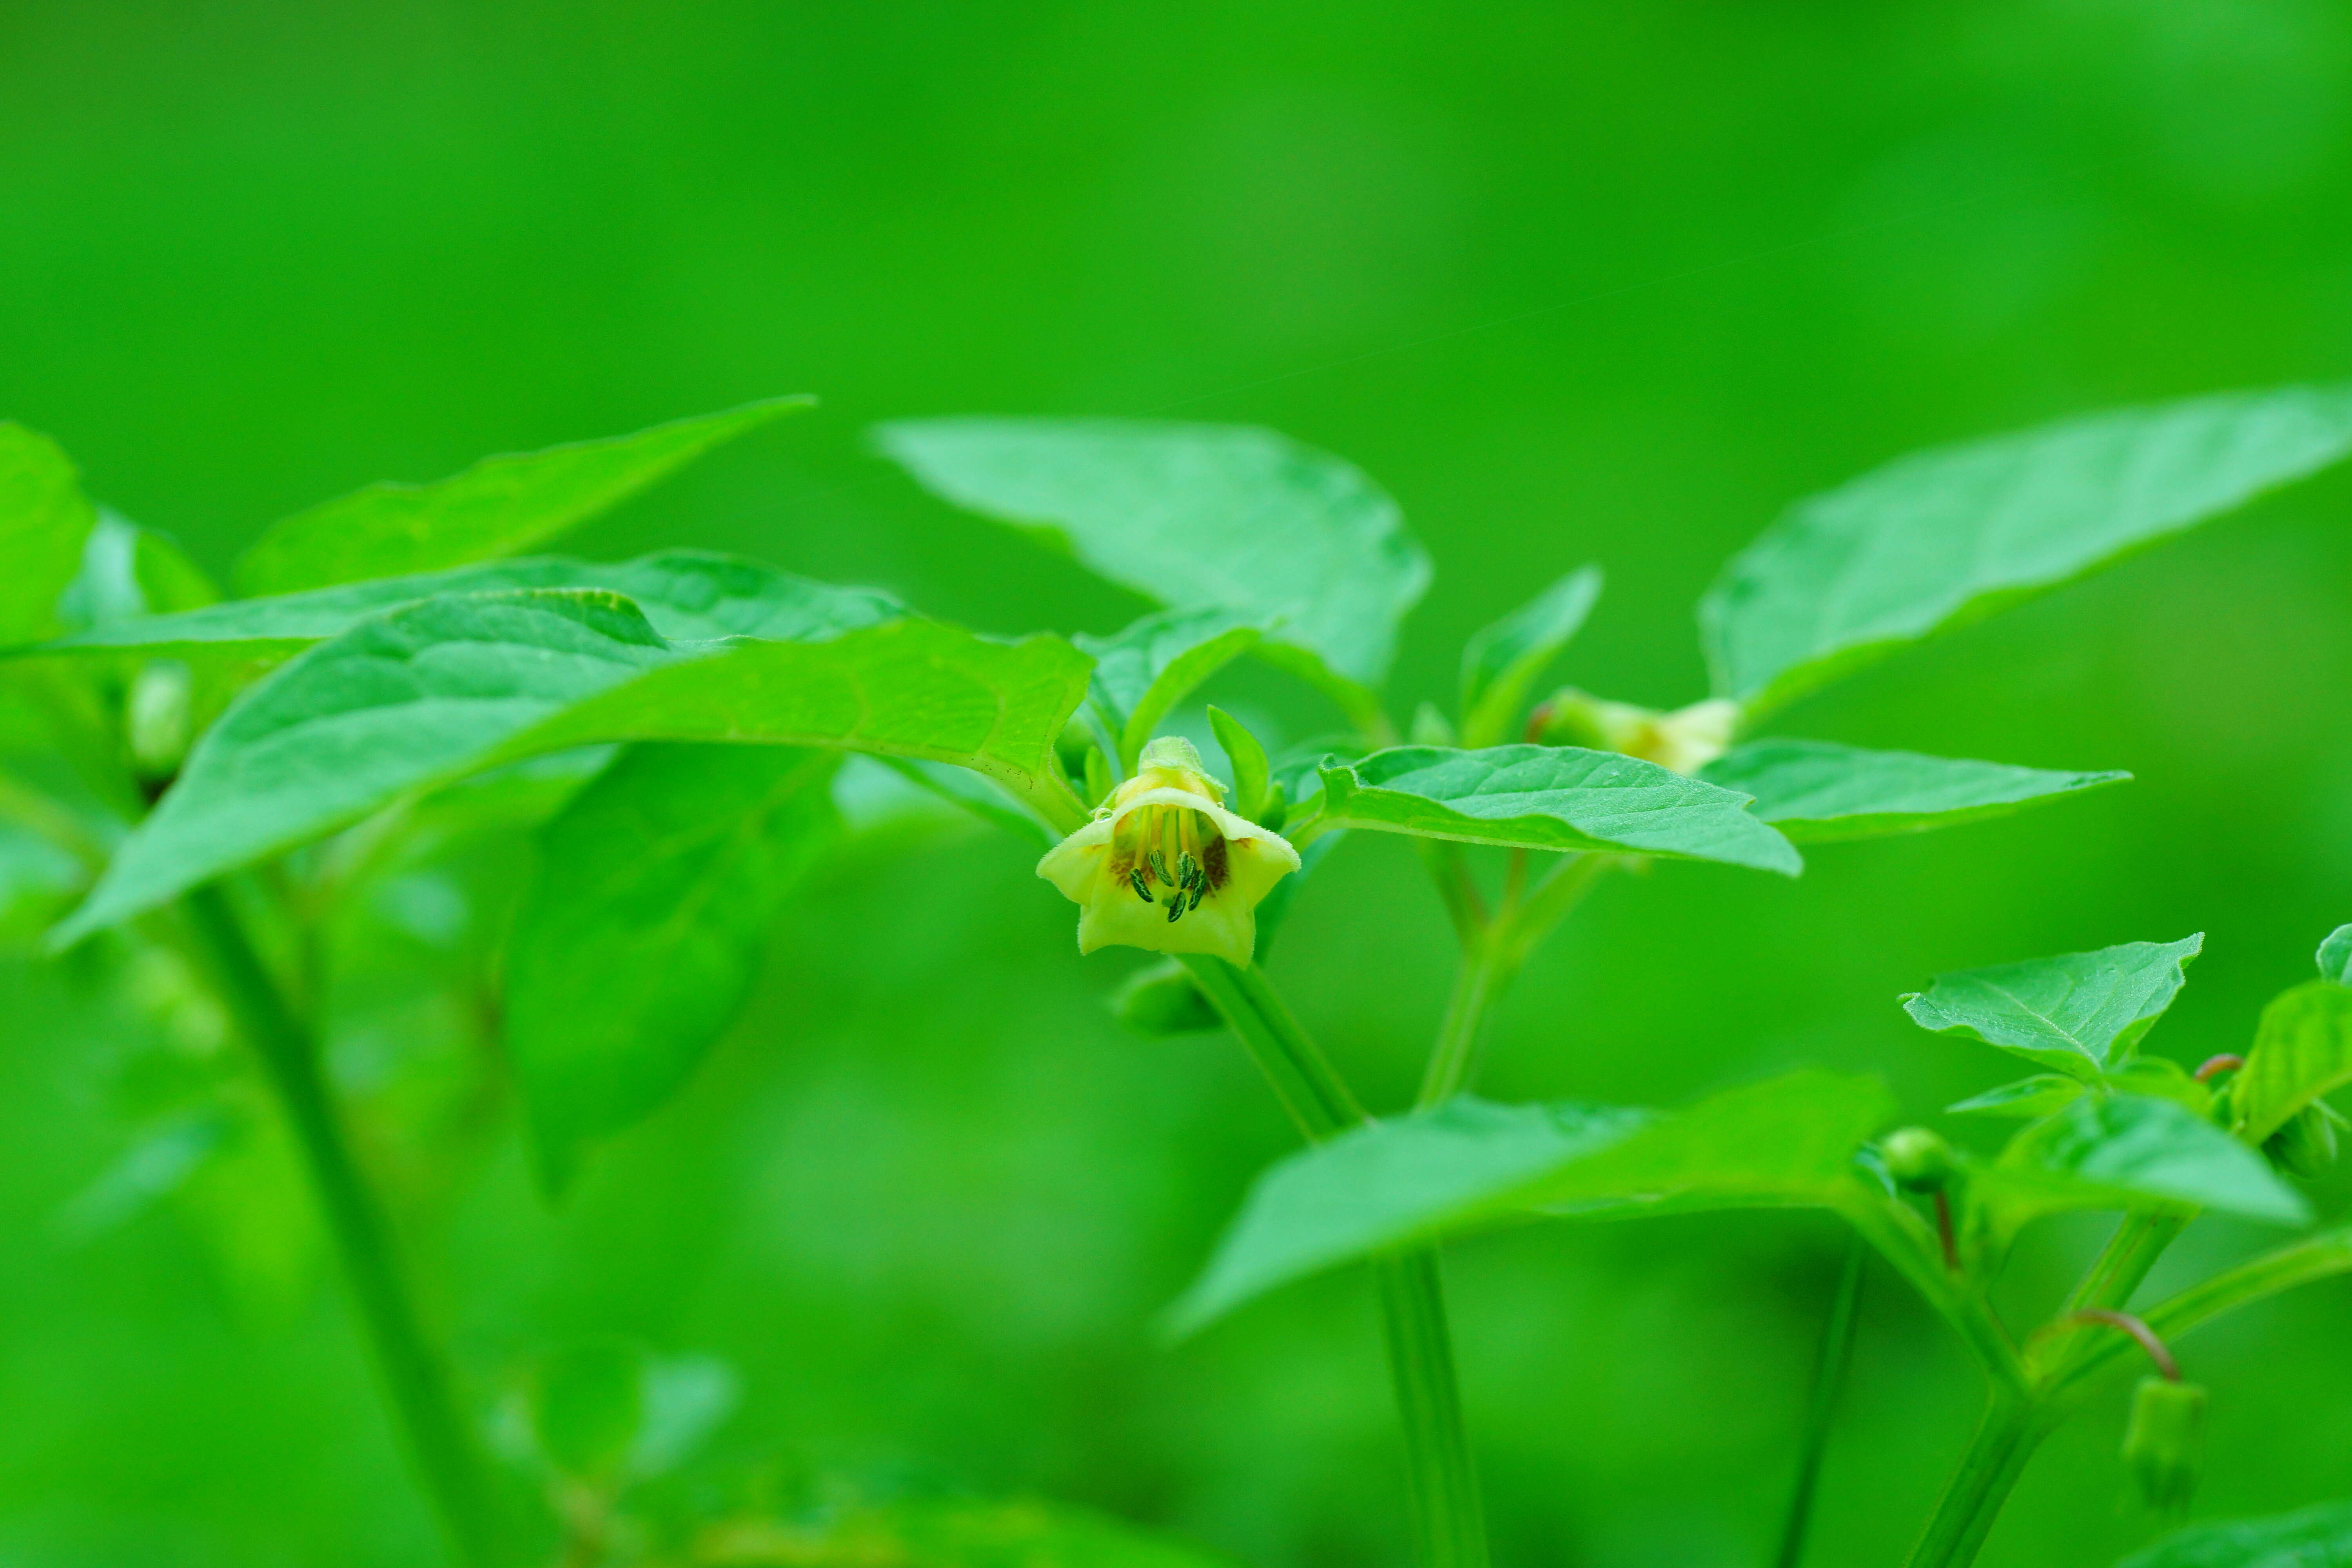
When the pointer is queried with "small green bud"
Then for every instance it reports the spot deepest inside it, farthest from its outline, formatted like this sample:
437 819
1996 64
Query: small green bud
1163 1000
2305 1146
1276 810
2164 1442
1430 727
156 717
1918 1160
1072 745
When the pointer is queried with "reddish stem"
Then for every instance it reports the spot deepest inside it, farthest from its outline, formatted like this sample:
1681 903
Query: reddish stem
1944 1232
2223 1063
2137 1330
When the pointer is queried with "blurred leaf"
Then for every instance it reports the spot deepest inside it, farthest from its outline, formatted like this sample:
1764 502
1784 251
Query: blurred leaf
2335 956
588 1404
501 505
2030 1097
1155 663
2080 1013
686 595
952 1534
1195 517
1501 662
1163 1000
1253 772
1941 537
2131 1152
2302 1050
1815 791
1550 797
685 1398
44 520
2319 1537
430 694
155 1165
129 571
642 933
1468 1166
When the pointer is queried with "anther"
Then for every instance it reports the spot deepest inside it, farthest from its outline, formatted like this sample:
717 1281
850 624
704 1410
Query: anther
1160 868
1142 889
1188 871
1176 907
1199 888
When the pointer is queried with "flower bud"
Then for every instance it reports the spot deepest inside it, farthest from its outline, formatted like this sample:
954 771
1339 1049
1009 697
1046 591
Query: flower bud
2164 1442
1685 739
156 717
1918 1160
1162 1001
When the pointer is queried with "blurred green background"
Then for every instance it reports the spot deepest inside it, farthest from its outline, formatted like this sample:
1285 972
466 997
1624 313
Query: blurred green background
1576 281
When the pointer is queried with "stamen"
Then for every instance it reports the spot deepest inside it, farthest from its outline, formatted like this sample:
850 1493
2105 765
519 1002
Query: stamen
1142 889
1160 868
1199 888
1188 871
1176 907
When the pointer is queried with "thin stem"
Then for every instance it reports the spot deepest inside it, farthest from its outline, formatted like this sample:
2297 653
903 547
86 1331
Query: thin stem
1547 906
1454 1056
2158 1352
412 1367
1449 1518
2005 1440
1449 1522
1829 1382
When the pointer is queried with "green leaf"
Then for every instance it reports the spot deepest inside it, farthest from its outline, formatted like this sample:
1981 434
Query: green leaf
127 573
2030 1097
1195 517
2335 956
501 505
686 595
2079 1012
1253 773
2319 1537
1941 537
2132 1152
434 692
1501 662
44 520
1815 791
1550 797
1155 663
1467 1165
639 937
2302 1050
962 1533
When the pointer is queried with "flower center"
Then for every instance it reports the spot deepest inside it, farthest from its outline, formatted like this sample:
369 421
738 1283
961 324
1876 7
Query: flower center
1169 846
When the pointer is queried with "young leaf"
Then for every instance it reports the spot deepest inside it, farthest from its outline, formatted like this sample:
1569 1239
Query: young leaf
686 595
1194 517
43 519
2318 1537
1253 773
2079 1012
1501 662
129 573
2302 1050
2335 956
434 692
1468 1166
1940 538
2130 1152
2030 1099
1815 791
1155 663
1550 797
641 933
501 505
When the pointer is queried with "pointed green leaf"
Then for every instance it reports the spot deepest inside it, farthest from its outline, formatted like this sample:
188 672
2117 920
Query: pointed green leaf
2319 1537
1468 1166
2132 1152
2335 956
1500 663
434 692
639 937
129 573
1155 663
2030 1099
1941 537
2302 1050
501 505
1194 517
686 595
1550 797
2079 1012
1253 773
1815 791
44 520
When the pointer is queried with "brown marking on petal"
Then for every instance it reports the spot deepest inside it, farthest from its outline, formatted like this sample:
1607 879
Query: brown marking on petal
1213 861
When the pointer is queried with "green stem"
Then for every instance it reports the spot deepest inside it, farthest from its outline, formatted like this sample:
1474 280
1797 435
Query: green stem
1829 1382
419 1384
2005 1440
1449 1522
1453 1059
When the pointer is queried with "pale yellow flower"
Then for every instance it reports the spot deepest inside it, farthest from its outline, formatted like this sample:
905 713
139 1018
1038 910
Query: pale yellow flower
1166 868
